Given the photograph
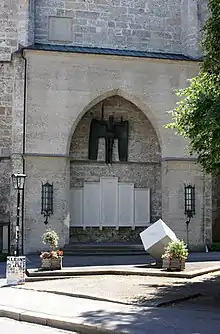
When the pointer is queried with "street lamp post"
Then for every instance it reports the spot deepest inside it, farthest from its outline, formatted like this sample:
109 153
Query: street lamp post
18 183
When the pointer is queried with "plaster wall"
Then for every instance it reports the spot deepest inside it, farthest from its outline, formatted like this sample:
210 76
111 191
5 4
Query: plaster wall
61 89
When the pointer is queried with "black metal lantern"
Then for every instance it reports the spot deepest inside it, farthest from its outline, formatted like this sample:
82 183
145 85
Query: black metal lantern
18 181
189 206
189 201
47 200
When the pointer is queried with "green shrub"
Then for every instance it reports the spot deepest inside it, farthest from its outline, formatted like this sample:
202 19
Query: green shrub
50 238
214 247
176 249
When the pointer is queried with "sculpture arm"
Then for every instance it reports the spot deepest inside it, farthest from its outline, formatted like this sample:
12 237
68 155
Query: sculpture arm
122 133
97 130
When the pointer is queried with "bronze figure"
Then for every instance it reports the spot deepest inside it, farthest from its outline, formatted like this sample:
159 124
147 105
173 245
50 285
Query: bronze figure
110 130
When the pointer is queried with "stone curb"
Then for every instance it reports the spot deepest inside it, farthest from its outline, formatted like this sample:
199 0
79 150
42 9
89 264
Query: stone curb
33 276
52 321
179 300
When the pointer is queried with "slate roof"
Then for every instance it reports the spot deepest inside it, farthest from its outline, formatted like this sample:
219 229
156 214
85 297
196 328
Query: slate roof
106 51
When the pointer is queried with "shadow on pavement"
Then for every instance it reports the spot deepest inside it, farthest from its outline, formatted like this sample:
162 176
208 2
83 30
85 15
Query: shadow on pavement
200 295
154 321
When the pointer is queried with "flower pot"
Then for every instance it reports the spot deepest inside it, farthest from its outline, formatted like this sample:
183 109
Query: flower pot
174 264
51 263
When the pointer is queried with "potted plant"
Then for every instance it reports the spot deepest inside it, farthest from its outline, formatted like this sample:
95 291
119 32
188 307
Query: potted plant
175 255
52 259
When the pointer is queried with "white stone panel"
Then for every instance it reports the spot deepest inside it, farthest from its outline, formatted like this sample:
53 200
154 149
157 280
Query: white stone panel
76 207
142 206
91 204
125 204
60 29
109 201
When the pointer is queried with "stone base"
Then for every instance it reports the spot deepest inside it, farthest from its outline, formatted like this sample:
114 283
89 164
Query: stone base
193 269
106 235
51 264
174 264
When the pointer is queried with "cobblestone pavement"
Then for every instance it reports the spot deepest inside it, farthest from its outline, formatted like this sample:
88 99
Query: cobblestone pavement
8 326
138 290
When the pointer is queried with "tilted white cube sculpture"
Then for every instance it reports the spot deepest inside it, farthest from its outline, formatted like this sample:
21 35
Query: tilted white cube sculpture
155 238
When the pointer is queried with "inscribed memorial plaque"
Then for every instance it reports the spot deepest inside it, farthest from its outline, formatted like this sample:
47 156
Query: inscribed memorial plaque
126 204
91 204
109 201
142 206
76 207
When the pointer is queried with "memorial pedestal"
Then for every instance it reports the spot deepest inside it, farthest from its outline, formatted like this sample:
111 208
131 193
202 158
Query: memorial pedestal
156 238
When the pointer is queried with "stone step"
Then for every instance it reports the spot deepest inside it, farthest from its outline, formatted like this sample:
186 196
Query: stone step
103 249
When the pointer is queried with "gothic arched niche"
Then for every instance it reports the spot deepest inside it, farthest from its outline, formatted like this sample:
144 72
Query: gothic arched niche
142 169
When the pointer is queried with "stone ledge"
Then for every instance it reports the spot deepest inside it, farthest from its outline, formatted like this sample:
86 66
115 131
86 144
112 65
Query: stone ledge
192 270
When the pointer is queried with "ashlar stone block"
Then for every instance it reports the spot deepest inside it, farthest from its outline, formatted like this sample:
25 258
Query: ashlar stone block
155 238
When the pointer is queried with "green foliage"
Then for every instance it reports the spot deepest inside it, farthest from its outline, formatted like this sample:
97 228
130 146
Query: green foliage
197 116
50 238
214 247
211 40
176 249
3 257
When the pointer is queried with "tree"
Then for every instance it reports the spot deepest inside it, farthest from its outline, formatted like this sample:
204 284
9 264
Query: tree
211 39
197 115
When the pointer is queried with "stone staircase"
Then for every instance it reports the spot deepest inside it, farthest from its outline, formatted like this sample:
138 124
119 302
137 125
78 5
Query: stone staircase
103 249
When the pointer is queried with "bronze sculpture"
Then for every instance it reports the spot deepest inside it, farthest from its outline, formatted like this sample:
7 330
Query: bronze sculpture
110 130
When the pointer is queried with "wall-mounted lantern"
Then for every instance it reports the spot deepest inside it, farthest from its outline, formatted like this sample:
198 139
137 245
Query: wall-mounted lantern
189 201
47 201
189 206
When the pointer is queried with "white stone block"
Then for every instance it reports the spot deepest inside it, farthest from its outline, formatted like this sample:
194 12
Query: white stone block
156 237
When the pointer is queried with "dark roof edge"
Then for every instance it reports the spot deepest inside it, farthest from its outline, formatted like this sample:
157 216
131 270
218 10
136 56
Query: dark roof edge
107 51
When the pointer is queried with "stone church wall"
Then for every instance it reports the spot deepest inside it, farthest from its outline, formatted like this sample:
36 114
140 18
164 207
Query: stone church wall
143 167
6 104
11 134
62 88
132 24
171 26
17 26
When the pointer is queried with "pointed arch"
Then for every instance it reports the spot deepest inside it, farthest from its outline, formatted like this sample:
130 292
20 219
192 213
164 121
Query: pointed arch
126 95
